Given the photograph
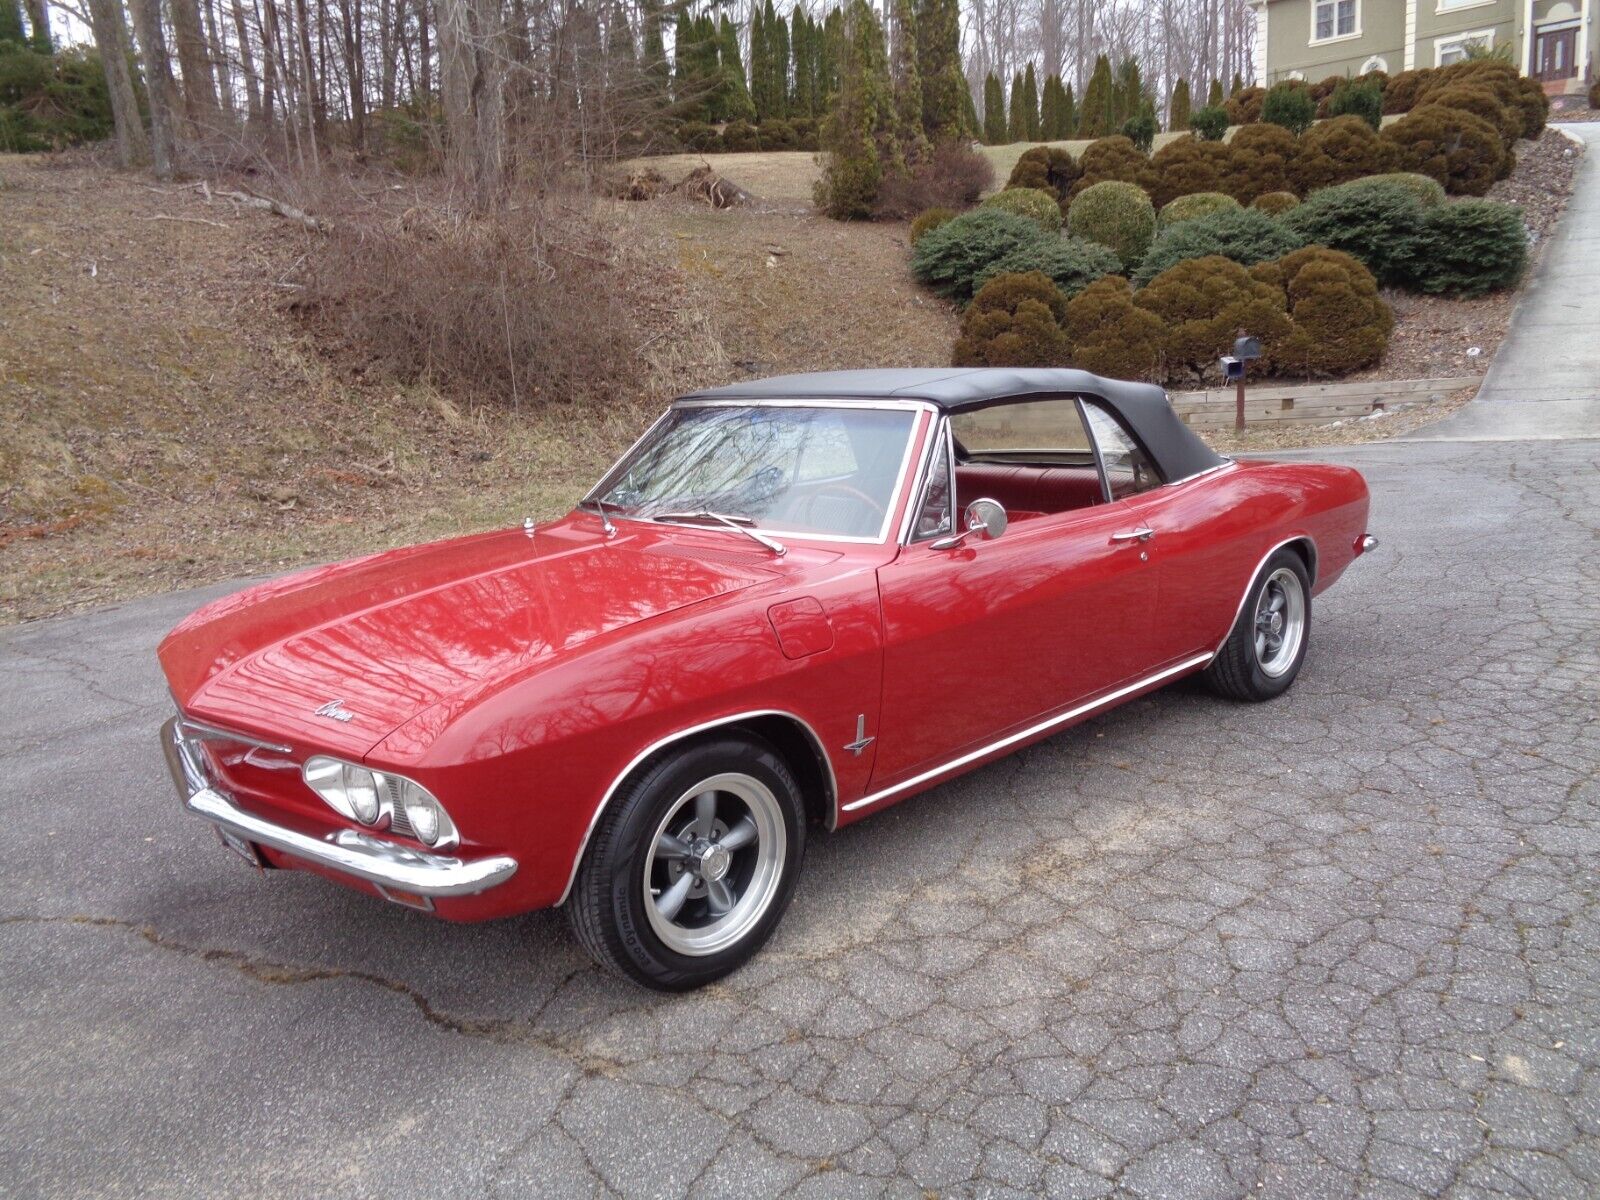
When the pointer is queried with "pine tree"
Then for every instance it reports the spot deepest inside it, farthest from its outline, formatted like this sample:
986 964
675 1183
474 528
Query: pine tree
1049 114
1069 113
734 96
830 58
946 96
1128 93
778 60
1214 94
758 66
11 22
858 138
1030 92
1095 120
805 89
1178 107
1017 111
994 111
907 84
971 129
657 71
1238 84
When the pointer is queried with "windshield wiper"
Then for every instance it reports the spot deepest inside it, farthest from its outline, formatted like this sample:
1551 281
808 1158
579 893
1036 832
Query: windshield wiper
605 517
737 524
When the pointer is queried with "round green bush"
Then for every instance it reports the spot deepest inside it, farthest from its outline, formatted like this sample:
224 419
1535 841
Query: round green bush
1195 204
1109 335
1289 104
1340 323
1109 158
1338 150
928 220
1462 151
1071 263
740 136
1277 203
1036 204
1428 191
1210 122
1260 160
1203 303
1472 247
1242 235
1184 166
949 258
1013 321
1116 214
1047 167
1376 220
1356 98
1142 127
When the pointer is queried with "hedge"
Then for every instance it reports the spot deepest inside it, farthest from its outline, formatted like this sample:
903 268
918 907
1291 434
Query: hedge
949 258
1243 235
1037 204
1013 321
1071 263
1115 214
1471 247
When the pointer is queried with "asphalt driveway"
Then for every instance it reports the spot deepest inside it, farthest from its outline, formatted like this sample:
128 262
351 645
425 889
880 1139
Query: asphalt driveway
1345 943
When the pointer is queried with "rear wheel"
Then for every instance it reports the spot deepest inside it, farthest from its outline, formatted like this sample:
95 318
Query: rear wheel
1267 646
692 865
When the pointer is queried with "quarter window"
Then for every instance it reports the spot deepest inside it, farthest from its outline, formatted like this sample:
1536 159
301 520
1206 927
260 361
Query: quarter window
1333 18
935 518
1128 470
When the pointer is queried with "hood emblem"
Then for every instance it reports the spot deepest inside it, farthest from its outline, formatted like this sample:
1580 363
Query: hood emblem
334 710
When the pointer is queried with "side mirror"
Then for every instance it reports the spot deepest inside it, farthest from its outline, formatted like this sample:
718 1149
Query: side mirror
983 516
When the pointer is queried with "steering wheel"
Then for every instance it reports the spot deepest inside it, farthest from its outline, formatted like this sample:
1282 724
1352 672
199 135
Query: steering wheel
844 489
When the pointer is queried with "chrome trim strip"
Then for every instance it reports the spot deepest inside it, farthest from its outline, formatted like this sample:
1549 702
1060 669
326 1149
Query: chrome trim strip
1251 582
204 732
680 735
939 437
806 402
1031 731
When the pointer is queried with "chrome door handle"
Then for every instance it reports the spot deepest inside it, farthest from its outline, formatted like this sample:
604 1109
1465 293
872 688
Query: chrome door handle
1142 534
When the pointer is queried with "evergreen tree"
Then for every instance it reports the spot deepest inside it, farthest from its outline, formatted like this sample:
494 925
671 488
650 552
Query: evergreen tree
830 58
733 96
1178 108
947 109
1069 113
657 71
805 65
11 22
1238 84
859 141
1049 115
1030 93
1097 110
907 83
1128 92
994 111
759 95
1214 98
778 60
1017 113
971 130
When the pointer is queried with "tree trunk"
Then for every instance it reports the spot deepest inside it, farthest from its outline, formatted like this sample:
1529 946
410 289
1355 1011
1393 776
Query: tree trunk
252 85
316 122
355 72
158 83
472 76
194 63
219 56
389 42
424 50
111 39
39 18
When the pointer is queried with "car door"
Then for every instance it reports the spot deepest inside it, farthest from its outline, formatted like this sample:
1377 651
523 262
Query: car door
982 638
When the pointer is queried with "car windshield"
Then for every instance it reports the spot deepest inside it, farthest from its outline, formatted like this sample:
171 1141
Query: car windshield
827 471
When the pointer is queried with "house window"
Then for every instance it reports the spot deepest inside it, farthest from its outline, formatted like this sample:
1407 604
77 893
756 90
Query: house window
1455 49
1333 19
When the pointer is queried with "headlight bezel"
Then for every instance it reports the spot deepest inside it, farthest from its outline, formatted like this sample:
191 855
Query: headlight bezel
337 783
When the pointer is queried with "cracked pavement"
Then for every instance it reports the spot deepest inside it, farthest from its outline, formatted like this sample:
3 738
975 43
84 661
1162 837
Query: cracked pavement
1343 944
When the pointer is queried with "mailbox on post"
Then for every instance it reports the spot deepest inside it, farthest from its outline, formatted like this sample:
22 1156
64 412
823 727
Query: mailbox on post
1245 348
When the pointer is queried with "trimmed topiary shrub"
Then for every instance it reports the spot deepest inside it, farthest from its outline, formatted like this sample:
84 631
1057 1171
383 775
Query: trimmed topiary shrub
1400 93
1203 303
1277 203
1495 74
1071 263
1289 104
1340 323
1338 150
1196 204
1183 167
1210 123
1377 221
1260 160
1036 204
1462 151
1142 127
1242 235
739 136
1109 335
1013 321
1534 106
1244 106
1109 158
949 258
777 134
1116 214
1356 98
1472 247
1429 192
1323 90
1049 168
928 220
1480 102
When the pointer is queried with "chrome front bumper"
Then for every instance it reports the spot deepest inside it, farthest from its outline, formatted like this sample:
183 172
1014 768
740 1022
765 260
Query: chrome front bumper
387 864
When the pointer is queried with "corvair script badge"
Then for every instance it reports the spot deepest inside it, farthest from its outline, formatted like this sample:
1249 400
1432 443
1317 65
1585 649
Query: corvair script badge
335 710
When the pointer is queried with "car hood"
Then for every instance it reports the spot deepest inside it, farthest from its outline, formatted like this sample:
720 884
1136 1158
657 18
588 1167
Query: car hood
394 633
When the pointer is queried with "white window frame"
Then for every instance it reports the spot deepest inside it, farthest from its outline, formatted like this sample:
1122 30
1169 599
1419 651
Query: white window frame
1450 6
1453 40
1336 36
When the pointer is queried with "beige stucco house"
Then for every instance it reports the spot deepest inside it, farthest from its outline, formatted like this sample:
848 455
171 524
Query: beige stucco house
1557 41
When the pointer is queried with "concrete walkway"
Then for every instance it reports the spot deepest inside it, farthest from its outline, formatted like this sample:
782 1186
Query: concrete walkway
1545 381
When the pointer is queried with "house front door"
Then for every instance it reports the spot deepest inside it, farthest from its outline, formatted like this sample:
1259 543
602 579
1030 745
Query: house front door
1556 55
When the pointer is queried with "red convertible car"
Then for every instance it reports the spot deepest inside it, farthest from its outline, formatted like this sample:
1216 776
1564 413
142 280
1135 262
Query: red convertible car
793 602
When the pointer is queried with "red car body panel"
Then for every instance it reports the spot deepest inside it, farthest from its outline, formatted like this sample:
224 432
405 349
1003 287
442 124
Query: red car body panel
520 675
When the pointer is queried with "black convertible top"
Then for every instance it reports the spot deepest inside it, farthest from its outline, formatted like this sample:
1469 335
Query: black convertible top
1142 407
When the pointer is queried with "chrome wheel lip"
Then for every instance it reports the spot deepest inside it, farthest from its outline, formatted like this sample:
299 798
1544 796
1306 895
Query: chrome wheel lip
755 898
1279 627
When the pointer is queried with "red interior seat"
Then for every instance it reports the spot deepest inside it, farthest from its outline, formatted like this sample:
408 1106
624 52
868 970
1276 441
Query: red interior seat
1028 489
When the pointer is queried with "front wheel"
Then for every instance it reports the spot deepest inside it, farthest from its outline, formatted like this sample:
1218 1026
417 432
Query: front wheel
1267 646
692 865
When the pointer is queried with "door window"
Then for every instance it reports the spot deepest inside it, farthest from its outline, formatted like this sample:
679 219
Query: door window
1128 470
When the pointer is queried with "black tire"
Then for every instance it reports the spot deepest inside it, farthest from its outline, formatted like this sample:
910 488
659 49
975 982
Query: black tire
1239 671
607 908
